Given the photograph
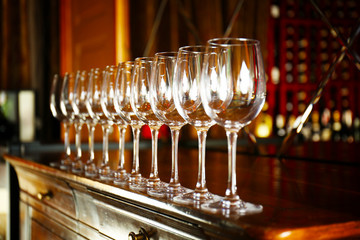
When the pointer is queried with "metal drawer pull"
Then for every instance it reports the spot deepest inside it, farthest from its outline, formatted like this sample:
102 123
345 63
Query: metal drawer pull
45 196
142 234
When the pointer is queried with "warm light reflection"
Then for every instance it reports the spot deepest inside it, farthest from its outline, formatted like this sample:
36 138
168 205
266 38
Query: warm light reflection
122 30
128 91
66 61
163 88
213 80
285 234
244 83
303 118
262 131
263 125
224 87
194 90
4 199
185 82
143 90
26 116
347 117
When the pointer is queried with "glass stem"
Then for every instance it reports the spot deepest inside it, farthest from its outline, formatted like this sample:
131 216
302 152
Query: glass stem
154 147
135 167
201 181
66 139
174 178
231 191
105 157
122 131
78 126
91 128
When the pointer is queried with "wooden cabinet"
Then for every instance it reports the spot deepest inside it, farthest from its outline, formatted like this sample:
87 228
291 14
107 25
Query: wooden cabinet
301 199
60 205
48 208
41 233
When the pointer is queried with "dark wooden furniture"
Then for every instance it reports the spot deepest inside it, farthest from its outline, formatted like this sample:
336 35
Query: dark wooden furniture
302 197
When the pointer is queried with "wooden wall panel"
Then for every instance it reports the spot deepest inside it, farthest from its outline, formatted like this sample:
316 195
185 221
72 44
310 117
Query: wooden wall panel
14 42
89 30
188 22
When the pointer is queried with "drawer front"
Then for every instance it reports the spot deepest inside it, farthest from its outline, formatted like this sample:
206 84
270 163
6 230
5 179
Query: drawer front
53 221
118 219
44 227
48 190
40 233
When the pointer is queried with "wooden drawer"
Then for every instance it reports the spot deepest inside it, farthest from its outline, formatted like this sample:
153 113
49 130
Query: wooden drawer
44 227
117 218
45 222
48 190
40 233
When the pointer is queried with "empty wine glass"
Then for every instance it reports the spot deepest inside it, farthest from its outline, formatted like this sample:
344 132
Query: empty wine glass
123 107
140 103
55 93
96 112
67 108
162 103
79 106
233 91
186 86
107 103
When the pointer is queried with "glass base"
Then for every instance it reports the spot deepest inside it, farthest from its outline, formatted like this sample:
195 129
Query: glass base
147 185
65 164
77 167
140 186
233 209
155 183
121 177
106 173
55 164
194 198
64 167
168 192
134 178
137 183
91 169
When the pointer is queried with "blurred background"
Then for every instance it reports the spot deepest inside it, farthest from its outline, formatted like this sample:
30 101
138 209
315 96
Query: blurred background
40 38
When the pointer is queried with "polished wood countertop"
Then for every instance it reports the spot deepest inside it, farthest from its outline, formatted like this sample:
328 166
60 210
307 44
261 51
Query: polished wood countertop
312 193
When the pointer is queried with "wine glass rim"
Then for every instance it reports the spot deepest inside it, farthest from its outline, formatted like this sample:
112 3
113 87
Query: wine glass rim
125 63
194 49
171 54
144 59
233 41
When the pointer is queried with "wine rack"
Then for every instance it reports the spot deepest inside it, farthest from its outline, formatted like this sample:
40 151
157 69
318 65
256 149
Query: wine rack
303 48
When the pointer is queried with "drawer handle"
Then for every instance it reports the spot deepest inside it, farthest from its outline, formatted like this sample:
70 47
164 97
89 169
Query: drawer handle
45 196
143 234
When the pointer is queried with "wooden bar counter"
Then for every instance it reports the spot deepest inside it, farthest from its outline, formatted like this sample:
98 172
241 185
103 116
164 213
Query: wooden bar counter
313 193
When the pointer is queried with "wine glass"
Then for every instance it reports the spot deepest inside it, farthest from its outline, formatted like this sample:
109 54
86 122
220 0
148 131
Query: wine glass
67 108
107 103
80 109
162 103
123 107
186 90
96 112
140 103
233 91
55 93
